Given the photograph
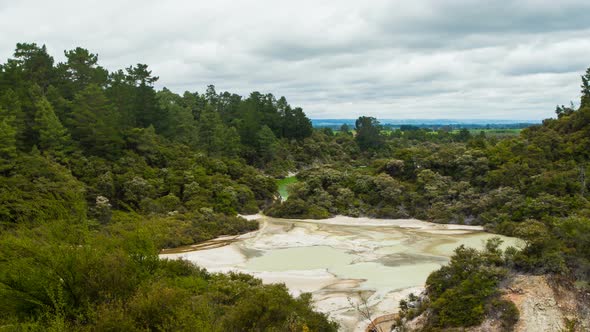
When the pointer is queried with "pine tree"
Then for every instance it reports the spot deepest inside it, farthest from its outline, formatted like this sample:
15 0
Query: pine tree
178 123
267 143
585 100
53 137
7 142
35 64
230 146
145 108
94 123
10 107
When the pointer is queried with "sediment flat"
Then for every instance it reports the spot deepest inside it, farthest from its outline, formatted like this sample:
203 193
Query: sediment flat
343 262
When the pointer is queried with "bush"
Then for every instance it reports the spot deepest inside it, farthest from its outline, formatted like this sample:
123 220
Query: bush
78 280
461 291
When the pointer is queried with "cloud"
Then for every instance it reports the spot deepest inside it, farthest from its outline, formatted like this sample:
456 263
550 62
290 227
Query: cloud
391 59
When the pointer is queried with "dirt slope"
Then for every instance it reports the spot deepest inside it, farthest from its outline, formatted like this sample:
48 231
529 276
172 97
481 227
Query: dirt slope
545 304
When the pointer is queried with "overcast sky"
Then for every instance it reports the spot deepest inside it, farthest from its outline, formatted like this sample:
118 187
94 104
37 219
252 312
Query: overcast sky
337 59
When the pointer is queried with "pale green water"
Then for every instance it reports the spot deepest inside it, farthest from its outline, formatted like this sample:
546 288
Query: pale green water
378 276
300 258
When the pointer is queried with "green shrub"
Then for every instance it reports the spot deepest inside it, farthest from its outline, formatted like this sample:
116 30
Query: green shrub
460 291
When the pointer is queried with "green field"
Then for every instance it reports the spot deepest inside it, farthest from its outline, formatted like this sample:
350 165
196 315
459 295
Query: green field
496 132
284 184
489 132
504 132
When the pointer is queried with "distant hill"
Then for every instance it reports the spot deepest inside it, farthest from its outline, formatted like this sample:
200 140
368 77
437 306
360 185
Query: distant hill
460 123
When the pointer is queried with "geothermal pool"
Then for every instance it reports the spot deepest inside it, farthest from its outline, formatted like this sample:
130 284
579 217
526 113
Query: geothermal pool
342 261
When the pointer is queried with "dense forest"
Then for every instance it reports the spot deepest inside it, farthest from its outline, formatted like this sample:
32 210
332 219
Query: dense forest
100 170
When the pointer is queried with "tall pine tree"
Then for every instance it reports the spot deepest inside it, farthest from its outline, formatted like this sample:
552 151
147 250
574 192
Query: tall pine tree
8 149
53 136
93 122
585 100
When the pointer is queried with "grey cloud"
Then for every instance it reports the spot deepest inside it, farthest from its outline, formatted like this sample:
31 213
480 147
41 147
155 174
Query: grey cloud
391 59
